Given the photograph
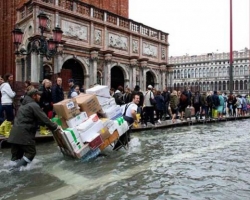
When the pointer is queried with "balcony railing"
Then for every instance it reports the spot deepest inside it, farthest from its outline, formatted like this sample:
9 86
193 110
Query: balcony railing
84 9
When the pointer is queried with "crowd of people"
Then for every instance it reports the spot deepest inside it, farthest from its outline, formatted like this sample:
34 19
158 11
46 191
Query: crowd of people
154 106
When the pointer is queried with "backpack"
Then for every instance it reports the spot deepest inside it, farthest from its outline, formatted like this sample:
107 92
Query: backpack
119 98
244 102
238 103
183 97
196 99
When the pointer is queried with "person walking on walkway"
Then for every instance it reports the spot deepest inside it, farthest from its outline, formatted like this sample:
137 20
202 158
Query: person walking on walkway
57 91
71 87
7 101
129 112
159 106
148 107
174 104
22 134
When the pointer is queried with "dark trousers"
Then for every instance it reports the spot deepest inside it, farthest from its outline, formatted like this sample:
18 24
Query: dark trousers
1 114
159 114
8 109
149 113
18 151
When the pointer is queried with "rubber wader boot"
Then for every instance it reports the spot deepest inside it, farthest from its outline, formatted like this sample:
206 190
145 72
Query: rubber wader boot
7 128
2 128
23 162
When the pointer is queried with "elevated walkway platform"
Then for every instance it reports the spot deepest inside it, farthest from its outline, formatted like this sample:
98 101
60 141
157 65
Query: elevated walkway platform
164 125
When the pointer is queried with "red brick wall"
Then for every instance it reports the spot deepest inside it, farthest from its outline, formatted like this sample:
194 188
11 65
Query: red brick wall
119 7
7 21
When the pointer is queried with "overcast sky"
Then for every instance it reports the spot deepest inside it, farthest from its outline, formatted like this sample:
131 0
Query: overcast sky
195 26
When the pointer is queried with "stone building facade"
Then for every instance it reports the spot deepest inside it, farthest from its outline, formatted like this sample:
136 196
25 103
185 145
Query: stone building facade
8 19
210 72
99 46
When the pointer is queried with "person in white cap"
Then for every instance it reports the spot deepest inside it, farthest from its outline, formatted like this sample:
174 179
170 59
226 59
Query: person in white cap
148 107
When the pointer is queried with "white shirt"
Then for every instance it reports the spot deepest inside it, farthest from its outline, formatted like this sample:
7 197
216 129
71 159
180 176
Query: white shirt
131 107
7 94
146 98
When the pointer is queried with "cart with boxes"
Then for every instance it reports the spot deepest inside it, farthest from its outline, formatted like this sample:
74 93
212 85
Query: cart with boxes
90 122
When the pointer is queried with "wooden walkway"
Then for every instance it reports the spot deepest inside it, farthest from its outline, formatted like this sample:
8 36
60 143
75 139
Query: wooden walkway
163 125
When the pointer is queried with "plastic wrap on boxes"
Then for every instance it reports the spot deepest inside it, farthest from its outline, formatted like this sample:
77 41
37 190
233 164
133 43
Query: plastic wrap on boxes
83 151
90 155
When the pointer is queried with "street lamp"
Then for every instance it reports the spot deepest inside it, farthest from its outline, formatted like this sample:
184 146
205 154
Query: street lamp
39 44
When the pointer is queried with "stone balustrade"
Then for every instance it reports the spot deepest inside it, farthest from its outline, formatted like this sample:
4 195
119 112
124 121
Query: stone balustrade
97 14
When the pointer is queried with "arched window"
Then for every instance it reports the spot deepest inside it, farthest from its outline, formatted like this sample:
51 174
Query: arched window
178 74
241 70
192 73
246 70
241 85
200 73
219 72
224 85
224 71
236 85
215 72
219 86
188 73
245 85
236 71
185 73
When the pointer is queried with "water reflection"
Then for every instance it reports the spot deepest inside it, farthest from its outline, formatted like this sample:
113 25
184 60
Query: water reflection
194 162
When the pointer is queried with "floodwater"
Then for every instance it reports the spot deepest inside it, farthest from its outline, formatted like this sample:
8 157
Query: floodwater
195 162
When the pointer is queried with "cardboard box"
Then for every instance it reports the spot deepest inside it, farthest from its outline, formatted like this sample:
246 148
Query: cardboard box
113 112
88 103
83 151
96 142
113 137
99 90
104 132
63 143
67 108
102 100
71 134
75 121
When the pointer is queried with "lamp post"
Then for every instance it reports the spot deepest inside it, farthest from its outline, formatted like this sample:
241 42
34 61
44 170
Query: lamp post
39 44
231 50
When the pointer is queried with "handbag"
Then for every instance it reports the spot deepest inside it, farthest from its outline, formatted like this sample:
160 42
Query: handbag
152 100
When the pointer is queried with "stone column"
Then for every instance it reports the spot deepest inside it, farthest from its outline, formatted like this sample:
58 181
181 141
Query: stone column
86 80
133 65
93 65
18 70
163 75
35 71
107 68
143 64
170 78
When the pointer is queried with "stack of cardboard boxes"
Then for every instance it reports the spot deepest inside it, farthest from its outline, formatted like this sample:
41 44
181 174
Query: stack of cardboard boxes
89 121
